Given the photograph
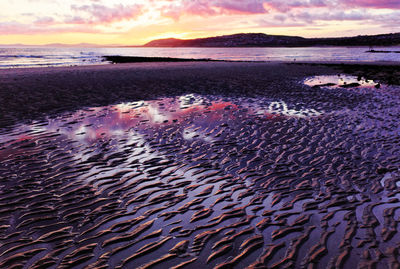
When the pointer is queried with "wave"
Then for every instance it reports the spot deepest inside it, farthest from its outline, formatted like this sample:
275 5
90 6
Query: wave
9 59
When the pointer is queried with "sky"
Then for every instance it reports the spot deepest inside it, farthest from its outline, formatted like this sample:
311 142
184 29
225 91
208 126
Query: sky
135 22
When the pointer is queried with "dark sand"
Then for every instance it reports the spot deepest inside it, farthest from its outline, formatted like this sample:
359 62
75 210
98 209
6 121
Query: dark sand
29 93
138 59
226 165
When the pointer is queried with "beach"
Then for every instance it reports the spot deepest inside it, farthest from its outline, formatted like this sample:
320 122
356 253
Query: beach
200 164
30 92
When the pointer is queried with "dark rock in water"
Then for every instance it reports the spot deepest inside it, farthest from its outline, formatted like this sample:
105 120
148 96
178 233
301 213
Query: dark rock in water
324 85
382 51
351 85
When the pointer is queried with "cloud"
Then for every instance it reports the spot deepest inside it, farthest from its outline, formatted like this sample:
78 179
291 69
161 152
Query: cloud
318 18
285 6
206 8
310 17
391 4
98 14
44 20
197 17
239 6
11 27
279 23
16 28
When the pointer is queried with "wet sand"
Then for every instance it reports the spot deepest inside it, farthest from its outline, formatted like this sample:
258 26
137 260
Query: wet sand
33 92
384 72
183 165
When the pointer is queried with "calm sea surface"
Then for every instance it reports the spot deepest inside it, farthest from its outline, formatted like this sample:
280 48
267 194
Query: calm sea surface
35 57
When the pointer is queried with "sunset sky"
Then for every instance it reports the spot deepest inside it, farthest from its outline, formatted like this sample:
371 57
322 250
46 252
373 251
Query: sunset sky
135 22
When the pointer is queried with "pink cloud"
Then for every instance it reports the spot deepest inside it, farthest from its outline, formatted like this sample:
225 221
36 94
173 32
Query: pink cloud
44 21
213 7
309 18
285 6
206 8
239 6
86 16
290 4
102 14
75 20
16 28
318 17
391 4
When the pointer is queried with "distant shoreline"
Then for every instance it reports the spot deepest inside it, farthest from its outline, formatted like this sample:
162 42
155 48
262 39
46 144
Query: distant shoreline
382 51
140 59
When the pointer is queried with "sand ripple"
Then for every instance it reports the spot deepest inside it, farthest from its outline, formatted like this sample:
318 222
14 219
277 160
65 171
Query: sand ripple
205 181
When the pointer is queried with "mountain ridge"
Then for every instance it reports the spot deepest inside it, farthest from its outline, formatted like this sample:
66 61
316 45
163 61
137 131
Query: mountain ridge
264 40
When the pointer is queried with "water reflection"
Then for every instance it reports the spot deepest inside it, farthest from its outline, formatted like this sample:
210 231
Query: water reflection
281 108
189 116
336 81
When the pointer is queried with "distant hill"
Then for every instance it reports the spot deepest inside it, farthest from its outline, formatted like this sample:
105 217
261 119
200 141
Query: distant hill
264 40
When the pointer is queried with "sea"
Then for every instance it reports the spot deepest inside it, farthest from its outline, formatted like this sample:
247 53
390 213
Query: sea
23 57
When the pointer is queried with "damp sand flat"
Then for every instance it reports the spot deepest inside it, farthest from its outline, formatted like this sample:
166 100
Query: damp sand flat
33 92
302 172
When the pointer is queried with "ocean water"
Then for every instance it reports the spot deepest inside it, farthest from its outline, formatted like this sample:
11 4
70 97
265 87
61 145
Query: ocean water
37 57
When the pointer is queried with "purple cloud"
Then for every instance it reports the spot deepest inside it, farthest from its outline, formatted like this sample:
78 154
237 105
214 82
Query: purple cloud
102 14
213 7
391 4
44 21
285 6
250 6
330 16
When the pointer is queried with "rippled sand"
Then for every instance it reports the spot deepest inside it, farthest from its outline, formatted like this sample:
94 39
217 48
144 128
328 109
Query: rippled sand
193 181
